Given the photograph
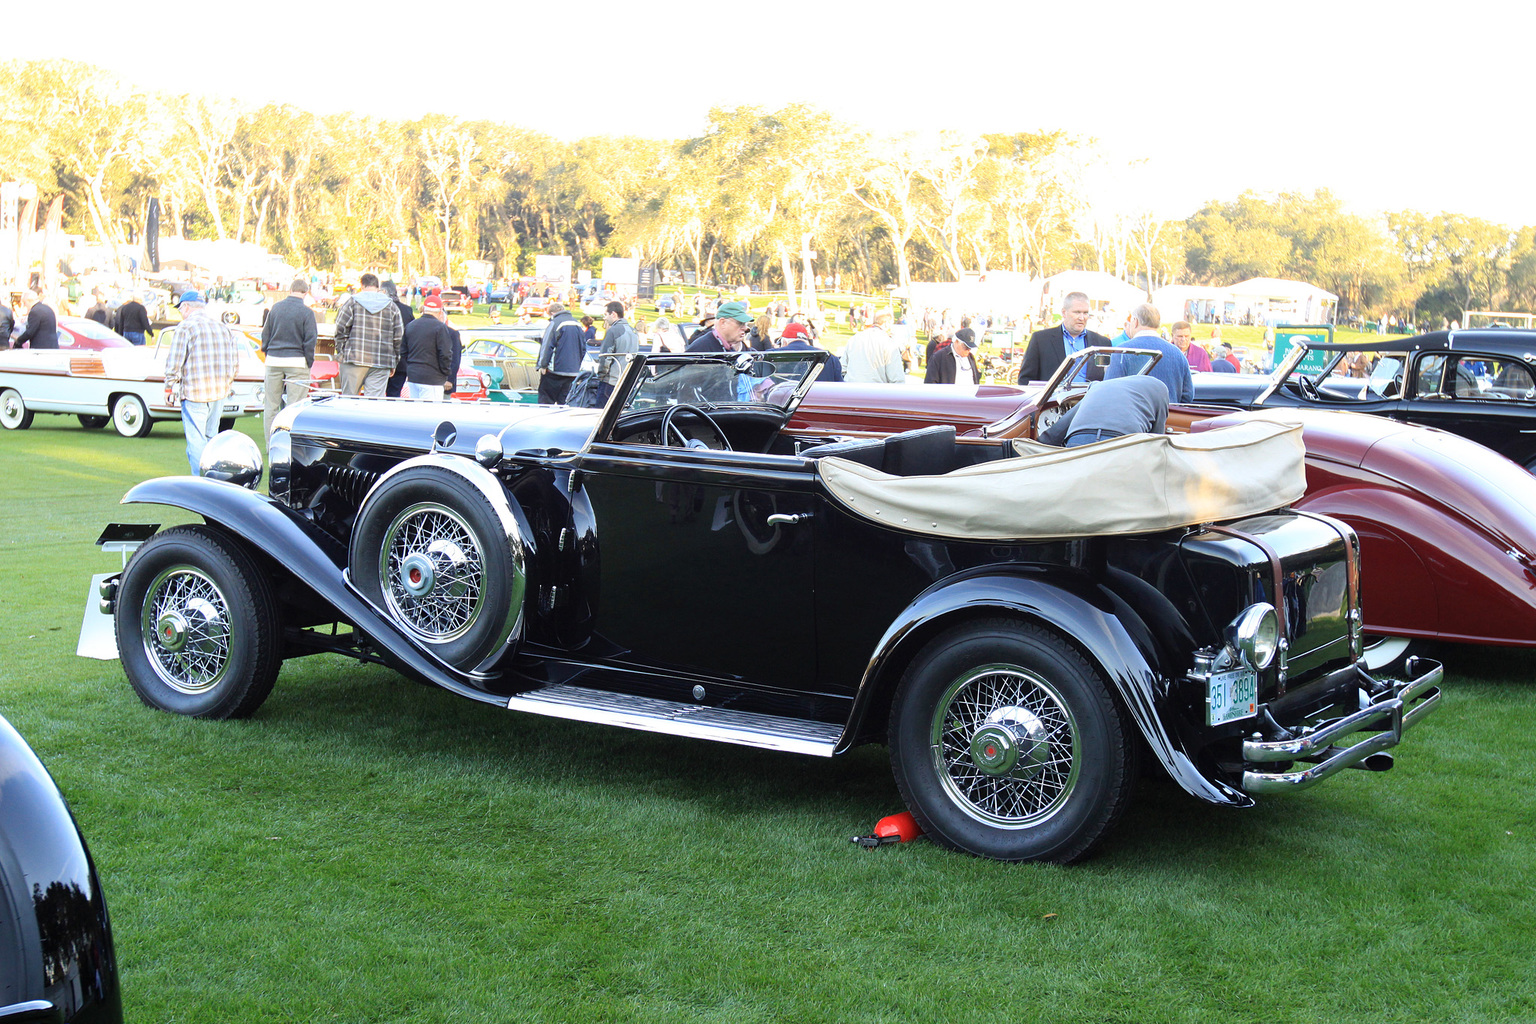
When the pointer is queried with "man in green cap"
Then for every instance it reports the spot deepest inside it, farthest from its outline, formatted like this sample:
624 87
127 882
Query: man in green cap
729 333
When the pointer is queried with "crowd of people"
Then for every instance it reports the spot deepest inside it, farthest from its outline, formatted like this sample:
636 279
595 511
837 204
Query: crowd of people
385 348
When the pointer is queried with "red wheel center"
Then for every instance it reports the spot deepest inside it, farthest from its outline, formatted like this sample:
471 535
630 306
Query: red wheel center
415 575
991 751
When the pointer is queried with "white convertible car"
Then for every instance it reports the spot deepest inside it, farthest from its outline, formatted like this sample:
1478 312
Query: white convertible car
100 377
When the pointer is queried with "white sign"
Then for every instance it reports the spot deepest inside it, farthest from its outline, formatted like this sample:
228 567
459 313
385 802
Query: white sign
552 268
621 270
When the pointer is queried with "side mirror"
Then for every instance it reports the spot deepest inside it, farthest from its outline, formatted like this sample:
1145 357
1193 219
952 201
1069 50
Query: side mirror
444 436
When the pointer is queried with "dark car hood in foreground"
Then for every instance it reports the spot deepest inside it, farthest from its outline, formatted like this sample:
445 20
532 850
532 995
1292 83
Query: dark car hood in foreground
55 939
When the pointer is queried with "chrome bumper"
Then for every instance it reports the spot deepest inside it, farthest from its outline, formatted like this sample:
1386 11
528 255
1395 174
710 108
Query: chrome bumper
1387 715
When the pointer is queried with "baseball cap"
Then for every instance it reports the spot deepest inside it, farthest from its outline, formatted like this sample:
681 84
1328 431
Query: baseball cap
192 295
792 331
432 302
734 311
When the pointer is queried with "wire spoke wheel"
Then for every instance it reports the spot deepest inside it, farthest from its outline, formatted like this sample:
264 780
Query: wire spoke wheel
440 555
432 572
198 627
186 630
1006 746
1007 743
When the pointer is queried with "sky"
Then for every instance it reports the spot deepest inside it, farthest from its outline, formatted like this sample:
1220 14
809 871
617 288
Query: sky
1405 106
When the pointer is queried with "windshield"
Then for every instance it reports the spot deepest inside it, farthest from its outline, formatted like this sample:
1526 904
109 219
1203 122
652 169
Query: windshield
749 378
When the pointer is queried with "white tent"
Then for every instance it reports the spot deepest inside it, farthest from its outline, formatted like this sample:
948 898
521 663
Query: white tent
1272 300
1190 302
1008 294
1105 291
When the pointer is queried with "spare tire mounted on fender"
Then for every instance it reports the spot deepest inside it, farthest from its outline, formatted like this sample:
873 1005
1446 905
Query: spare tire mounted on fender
433 550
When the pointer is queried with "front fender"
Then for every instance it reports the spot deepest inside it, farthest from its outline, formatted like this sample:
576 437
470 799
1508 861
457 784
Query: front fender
314 558
1086 615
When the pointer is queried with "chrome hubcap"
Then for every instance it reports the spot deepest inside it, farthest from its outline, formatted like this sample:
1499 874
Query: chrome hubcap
1013 742
171 631
186 630
1005 746
432 572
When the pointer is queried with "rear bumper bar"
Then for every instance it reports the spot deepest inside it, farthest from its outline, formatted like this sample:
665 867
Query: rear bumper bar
1332 745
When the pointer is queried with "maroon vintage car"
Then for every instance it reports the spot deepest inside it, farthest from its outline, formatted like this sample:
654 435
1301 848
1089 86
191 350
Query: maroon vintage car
1447 527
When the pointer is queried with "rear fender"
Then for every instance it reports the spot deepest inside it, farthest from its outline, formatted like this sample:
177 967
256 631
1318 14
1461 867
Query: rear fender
1090 618
315 559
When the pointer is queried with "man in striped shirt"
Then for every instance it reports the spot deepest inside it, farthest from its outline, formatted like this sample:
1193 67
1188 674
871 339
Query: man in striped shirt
199 372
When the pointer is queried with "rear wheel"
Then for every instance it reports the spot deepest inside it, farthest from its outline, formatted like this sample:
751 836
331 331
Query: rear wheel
1007 743
14 414
93 422
130 417
227 423
197 625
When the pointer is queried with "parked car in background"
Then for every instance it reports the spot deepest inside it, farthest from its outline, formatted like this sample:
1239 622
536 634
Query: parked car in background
242 303
1447 528
82 334
115 382
1478 383
1018 656
455 301
57 962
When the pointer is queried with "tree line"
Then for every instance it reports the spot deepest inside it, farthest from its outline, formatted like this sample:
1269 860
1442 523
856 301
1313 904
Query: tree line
777 198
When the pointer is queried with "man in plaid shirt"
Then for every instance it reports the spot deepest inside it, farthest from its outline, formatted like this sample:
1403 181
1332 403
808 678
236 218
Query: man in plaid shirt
368 332
199 372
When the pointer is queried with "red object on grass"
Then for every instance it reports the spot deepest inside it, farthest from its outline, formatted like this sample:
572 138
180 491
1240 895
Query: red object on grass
903 826
895 828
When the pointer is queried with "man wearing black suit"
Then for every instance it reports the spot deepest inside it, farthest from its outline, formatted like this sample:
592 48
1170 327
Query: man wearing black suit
42 330
1049 347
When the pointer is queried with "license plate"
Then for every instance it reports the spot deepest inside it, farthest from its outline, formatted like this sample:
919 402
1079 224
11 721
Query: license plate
1232 695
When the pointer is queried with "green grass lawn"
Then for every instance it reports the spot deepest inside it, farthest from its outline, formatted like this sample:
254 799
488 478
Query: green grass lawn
368 850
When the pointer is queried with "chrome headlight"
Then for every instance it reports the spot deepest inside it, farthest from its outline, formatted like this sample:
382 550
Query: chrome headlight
1255 634
233 457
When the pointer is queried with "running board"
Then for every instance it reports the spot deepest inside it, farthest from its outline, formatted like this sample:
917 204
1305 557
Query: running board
744 728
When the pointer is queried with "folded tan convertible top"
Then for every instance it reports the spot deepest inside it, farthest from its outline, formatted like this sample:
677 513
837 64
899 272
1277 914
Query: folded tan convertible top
1139 483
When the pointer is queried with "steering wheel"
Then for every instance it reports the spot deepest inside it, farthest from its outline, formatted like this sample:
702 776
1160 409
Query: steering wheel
1308 388
668 427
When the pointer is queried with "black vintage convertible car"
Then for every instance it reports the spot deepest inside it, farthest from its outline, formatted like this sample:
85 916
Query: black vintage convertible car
1020 625
1478 383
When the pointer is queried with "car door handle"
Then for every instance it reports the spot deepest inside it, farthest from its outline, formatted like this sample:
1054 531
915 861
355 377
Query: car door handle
785 519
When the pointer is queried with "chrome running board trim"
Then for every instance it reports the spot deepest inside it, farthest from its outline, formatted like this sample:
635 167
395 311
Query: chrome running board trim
744 728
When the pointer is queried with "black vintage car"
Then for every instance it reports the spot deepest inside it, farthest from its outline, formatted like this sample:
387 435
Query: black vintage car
57 963
679 562
1478 383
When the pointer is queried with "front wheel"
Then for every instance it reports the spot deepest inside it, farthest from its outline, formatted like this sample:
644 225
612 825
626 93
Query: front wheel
1007 743
14 414
130 417
1381 651
197 626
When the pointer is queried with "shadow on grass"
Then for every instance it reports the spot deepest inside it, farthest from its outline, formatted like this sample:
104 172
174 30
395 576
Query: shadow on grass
373 714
